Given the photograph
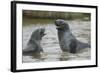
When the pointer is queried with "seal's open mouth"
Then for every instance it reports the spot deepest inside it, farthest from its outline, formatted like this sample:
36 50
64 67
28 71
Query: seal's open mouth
44 34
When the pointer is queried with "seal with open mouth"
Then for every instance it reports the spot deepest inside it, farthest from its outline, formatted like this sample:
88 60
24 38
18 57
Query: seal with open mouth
33 46
67 40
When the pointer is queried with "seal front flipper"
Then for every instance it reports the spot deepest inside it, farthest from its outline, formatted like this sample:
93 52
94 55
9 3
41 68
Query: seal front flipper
73 46
33 49
29 50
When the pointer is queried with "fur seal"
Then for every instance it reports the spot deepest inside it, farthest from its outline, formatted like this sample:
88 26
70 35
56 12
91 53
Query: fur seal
33 45
67 40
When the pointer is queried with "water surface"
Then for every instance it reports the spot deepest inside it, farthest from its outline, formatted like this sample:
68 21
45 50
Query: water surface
50 44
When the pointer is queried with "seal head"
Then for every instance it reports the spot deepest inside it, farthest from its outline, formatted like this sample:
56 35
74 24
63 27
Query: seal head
61 25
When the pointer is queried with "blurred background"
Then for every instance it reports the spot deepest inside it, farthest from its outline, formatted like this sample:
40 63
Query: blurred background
47 16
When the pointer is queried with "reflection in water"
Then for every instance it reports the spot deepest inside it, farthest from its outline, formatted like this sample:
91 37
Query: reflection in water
50 44
64 56
37 56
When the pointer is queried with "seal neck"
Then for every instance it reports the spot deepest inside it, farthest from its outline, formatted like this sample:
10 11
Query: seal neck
63 29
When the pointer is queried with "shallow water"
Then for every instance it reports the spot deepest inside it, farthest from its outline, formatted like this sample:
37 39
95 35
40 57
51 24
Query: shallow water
50 44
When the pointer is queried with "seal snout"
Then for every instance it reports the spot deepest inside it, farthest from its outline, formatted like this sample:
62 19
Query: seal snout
42 33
